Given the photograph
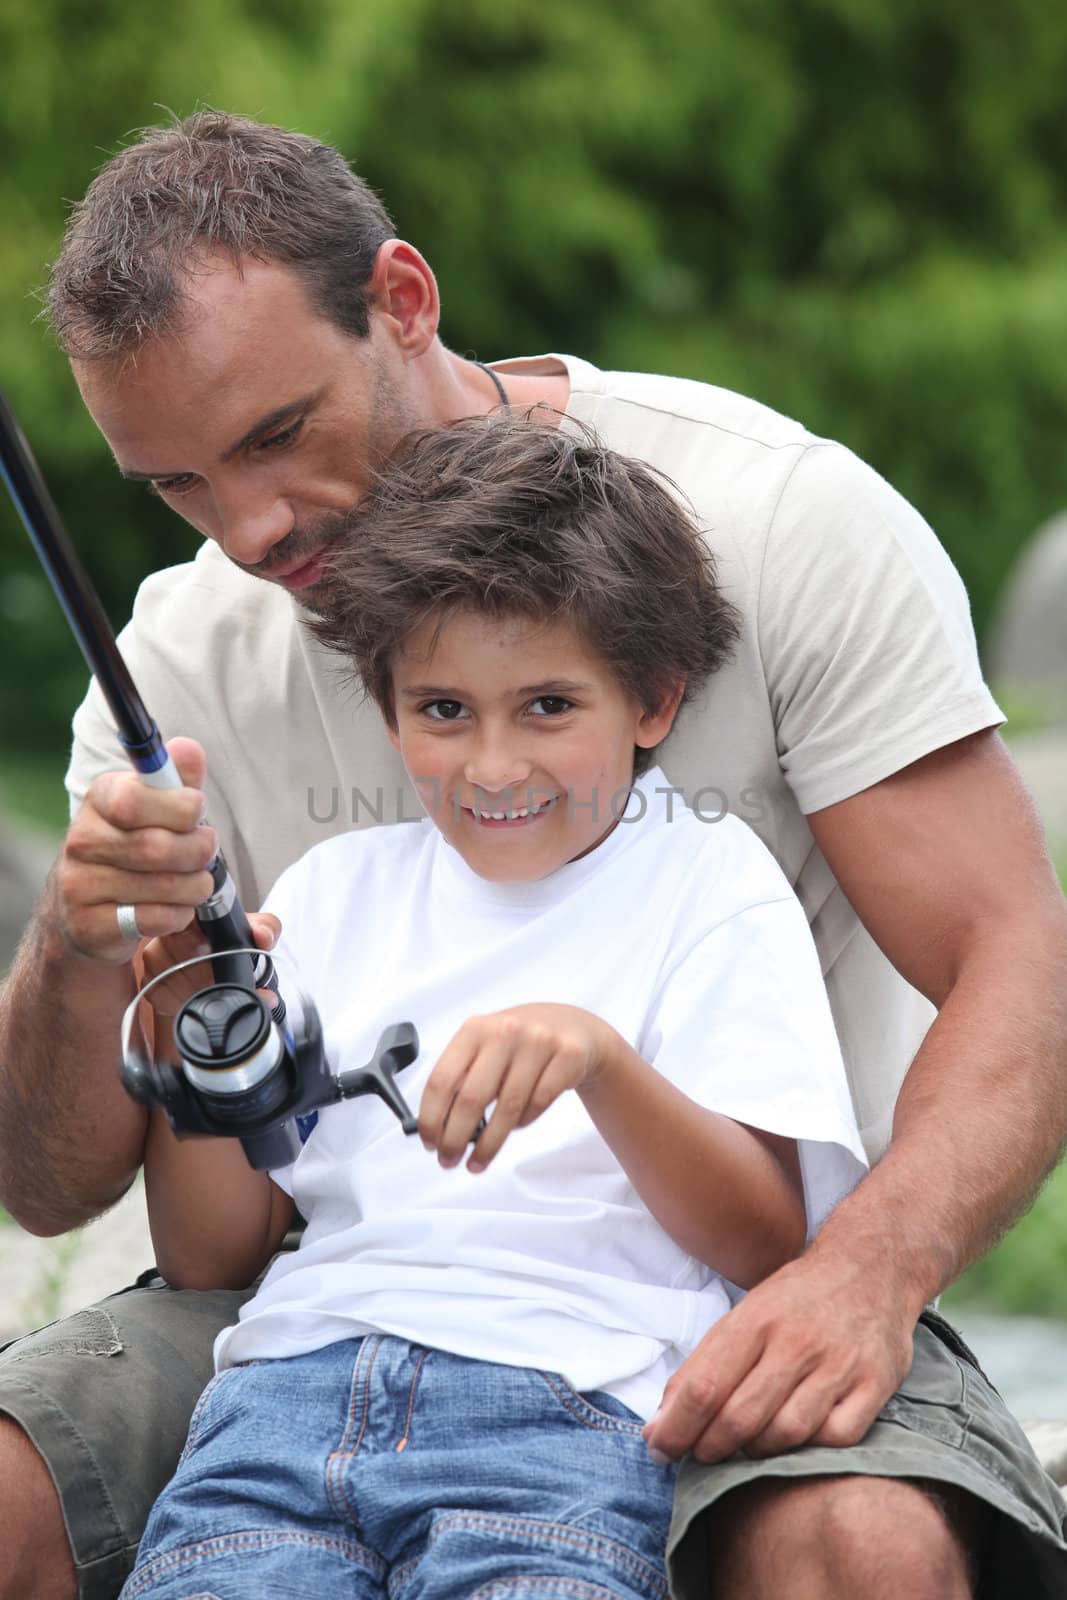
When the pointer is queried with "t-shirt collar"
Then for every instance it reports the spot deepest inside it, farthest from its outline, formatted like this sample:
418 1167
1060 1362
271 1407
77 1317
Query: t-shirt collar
643 809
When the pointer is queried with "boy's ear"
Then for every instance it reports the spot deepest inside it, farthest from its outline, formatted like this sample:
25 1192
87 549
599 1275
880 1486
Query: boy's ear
654 726
394 737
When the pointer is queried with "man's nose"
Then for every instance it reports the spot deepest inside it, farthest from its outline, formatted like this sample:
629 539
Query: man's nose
250 526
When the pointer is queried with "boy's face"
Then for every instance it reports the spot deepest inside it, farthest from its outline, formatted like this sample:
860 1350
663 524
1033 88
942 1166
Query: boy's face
521 719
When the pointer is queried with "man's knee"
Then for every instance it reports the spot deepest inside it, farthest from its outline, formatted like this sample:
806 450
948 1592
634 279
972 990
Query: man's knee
879 1537
35 1556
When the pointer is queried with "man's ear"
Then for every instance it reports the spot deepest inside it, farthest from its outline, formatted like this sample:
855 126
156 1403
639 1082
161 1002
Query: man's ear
404 291
654 726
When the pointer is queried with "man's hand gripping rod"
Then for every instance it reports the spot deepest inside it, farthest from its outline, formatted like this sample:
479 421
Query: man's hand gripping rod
234 1083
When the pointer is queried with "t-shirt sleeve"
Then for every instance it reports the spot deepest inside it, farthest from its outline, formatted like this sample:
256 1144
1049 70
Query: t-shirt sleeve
742 1025
864 630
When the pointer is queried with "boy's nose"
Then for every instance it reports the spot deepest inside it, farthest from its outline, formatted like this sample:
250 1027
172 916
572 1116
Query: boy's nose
497 772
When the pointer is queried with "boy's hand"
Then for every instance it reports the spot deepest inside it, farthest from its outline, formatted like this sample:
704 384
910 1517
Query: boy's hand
134 845
158 954
524 1059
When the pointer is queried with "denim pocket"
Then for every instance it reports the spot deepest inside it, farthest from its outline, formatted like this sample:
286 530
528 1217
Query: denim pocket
199 1420
595 1410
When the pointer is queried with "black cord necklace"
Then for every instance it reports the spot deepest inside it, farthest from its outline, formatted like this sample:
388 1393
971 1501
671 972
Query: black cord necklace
501 391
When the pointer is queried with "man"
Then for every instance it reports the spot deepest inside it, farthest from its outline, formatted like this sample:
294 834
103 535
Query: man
251 340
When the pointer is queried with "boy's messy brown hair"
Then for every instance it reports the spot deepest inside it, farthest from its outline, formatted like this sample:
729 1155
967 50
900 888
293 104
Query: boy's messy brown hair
508 517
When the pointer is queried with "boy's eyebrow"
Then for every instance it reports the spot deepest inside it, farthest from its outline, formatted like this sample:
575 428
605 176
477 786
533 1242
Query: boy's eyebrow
560 686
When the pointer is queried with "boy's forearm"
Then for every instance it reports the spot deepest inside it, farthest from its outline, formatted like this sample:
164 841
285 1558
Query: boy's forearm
215 1220
71 1138
711 1183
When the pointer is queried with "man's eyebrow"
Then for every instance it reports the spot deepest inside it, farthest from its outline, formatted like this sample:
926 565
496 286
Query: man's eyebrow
273 419
554 686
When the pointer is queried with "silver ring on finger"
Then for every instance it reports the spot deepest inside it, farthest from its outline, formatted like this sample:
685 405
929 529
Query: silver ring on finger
126 917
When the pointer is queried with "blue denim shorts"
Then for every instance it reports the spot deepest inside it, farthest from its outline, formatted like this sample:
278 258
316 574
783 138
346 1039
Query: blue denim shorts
376 1467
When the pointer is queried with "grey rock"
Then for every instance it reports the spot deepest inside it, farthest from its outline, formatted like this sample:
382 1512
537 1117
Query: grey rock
26 854
1041 756
1027 653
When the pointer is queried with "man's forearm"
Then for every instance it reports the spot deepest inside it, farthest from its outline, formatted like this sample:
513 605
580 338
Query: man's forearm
71 1138
980 1120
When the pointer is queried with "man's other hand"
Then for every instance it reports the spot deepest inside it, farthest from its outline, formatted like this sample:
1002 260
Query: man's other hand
809 1356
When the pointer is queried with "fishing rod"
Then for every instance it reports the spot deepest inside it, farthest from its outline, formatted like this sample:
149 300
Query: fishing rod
241 1071
221 916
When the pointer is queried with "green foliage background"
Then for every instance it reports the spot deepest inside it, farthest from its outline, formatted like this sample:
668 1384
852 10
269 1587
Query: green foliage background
854 209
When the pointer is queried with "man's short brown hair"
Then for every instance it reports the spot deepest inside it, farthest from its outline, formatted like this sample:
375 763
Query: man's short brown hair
210 182
514 519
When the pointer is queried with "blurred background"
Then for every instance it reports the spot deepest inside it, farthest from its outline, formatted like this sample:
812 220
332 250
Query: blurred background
856 212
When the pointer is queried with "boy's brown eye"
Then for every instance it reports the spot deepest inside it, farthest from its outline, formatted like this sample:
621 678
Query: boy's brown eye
443 710
552 705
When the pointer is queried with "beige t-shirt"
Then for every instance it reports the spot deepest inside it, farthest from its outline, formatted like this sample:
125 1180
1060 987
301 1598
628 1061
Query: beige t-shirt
857 657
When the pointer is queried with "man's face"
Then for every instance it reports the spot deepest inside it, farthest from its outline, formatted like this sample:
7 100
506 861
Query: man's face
259 422
519 739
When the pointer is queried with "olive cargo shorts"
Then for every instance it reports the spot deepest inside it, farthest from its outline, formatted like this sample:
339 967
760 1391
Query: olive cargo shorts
945 1425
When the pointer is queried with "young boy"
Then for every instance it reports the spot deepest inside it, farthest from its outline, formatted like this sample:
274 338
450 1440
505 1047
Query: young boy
442 1391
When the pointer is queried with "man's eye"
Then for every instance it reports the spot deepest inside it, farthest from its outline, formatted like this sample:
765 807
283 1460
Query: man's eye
553 705
443 710
179 485
278 441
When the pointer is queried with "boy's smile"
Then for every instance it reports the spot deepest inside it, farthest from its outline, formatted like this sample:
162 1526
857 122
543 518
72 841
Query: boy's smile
519 739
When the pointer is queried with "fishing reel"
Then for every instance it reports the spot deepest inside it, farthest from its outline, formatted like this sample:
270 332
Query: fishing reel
241 1070
245 1069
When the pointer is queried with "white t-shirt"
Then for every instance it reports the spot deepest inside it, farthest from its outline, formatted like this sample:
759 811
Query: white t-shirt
857 657
685 937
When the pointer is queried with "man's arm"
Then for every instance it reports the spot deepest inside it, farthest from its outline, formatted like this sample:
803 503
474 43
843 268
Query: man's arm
946 866
71 1139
